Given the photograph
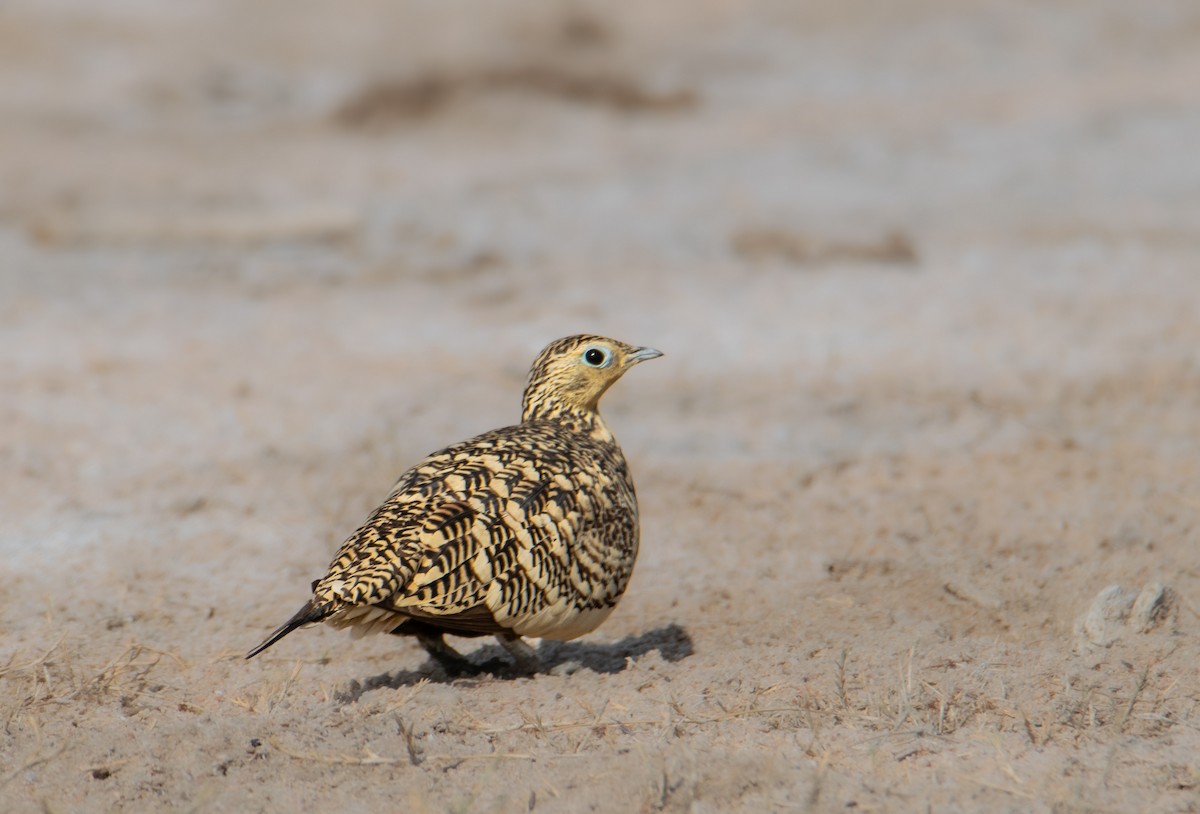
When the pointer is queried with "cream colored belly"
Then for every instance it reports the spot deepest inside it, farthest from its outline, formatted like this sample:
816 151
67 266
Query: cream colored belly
561 623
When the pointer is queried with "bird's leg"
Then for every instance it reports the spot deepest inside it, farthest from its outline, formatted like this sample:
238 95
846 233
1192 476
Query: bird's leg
525 656
453 662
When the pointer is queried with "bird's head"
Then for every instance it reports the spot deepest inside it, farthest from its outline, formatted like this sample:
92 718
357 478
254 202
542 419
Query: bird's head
571 374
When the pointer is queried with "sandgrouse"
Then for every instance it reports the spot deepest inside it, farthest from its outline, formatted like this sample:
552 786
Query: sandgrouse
528 530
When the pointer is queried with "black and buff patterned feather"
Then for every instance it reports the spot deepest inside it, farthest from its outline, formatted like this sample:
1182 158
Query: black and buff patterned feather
528 530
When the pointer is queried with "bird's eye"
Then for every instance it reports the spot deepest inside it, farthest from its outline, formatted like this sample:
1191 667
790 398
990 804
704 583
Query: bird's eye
596 357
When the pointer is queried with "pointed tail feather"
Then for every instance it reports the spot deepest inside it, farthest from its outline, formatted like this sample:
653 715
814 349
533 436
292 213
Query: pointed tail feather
305 616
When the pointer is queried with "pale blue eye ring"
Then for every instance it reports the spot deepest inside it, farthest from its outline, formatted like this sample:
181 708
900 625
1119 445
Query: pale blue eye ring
596 357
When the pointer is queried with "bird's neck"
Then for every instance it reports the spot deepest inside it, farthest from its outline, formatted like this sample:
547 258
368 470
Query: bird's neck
557 404
578 418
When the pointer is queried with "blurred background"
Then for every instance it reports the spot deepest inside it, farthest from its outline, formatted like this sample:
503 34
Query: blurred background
223 224
225 227
304 203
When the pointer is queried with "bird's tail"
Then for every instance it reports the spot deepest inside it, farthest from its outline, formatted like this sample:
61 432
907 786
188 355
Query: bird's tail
307 615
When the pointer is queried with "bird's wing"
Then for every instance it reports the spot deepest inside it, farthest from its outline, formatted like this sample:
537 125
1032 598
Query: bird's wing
440 539
487 536
378 561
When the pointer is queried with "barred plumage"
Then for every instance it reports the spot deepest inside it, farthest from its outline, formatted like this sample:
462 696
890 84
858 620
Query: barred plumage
528 530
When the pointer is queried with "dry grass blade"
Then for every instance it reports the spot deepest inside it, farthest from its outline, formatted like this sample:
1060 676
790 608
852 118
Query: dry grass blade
1005 764
685 717
268 697
416 690
1022 793
287 685
115 669
1141 685
175 657
370 758
406 730
31 665
840 680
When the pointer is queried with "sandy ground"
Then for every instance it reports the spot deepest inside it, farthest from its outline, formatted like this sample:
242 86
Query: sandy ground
925 275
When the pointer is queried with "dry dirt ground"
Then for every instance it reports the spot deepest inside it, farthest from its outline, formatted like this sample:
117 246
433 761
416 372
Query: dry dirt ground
925 274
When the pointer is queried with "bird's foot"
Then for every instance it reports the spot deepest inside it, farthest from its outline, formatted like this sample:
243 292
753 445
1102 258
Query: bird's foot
453 663
525 657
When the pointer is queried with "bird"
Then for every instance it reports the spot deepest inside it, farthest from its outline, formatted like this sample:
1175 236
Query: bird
527 530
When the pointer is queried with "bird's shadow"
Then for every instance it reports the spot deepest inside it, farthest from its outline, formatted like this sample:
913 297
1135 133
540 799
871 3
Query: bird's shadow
671 641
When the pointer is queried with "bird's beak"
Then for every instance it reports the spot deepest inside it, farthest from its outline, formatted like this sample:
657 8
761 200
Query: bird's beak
641 355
